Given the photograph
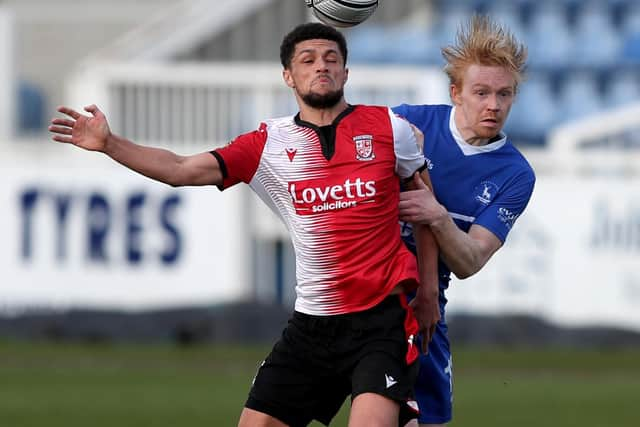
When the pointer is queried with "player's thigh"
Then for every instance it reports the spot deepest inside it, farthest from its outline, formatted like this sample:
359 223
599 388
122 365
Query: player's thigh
296 383
373 410
252 418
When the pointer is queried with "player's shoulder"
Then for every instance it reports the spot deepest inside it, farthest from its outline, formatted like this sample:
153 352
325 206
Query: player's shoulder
266 128
423 113
365 109
284 122
519 161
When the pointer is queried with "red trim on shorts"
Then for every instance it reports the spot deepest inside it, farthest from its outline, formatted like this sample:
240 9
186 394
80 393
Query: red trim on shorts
410 330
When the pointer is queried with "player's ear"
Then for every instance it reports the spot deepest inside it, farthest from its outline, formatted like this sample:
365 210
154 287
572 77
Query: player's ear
454 93
288 79
346 75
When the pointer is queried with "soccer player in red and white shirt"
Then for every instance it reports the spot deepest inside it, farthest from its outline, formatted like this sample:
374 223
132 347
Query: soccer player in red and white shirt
332 174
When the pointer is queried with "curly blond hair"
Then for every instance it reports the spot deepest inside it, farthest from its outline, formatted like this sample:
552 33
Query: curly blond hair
484 42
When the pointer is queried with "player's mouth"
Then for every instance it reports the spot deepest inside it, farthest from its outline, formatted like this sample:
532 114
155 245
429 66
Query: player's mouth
490 122
324 80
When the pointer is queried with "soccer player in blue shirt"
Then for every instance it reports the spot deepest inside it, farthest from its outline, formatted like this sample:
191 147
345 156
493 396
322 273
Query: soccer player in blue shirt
481 182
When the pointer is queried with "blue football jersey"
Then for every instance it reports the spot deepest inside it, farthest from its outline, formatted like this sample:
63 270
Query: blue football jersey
487 185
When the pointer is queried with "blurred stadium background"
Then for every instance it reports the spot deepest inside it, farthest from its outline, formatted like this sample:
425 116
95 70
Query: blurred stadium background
103 272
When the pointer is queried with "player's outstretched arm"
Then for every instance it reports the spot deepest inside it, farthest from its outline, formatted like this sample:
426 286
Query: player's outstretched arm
464 253
91 132
426 305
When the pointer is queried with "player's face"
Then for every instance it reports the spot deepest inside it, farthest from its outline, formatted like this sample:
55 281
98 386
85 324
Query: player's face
483 102
317 73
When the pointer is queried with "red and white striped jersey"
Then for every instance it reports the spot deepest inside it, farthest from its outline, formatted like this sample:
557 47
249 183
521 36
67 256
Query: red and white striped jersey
339 202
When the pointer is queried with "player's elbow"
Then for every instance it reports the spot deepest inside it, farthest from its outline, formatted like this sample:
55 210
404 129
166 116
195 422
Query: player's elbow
466 270
175 179
463 274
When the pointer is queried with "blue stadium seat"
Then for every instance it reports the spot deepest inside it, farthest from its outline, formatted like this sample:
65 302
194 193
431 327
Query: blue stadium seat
596 40
631 18
507 12
622 87
548 37
415 45
580 96
450 16
631 49
535 109
369 44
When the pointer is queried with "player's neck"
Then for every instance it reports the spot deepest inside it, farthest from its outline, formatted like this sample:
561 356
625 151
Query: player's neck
322 116
477 141
466 132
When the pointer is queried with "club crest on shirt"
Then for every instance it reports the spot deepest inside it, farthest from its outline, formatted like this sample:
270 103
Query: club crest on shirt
364 147
485 192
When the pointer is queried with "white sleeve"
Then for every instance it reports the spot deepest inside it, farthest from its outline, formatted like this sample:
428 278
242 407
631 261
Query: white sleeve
409 157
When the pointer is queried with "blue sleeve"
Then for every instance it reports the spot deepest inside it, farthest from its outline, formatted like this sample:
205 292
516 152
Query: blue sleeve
401 110
500 216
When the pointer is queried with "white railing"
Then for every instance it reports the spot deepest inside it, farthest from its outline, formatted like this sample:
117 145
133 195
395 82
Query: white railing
605 143
194 105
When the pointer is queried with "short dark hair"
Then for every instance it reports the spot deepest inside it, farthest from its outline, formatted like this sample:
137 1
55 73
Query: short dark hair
310 31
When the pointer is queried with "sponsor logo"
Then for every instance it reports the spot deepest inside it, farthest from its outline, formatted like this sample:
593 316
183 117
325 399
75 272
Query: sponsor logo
308 197
507 217
390 380
291 153
429 163
485 192
364 147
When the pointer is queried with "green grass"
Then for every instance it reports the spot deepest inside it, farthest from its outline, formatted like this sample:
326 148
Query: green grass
112 385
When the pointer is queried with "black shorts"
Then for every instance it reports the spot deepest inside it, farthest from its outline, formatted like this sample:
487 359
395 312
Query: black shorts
320 360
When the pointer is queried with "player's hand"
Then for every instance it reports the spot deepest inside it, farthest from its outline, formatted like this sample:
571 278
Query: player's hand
88 132
426 309
419 206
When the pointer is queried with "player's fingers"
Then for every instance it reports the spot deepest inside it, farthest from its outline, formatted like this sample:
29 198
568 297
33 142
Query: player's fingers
65 139
416 178
425 342
63 122
420 184
60 130
94 110
69 112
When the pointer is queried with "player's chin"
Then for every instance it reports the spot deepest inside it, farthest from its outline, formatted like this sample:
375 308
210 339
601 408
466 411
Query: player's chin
489 130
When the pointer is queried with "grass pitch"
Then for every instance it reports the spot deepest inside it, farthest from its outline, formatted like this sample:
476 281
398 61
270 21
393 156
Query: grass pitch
68 385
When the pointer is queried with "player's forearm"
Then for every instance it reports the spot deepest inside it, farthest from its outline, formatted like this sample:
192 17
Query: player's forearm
461 253
155 163
427 255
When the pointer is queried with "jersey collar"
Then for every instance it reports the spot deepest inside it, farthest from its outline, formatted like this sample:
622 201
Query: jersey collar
468 149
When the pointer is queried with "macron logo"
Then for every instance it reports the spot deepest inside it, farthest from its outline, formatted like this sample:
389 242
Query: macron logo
390 380
291 153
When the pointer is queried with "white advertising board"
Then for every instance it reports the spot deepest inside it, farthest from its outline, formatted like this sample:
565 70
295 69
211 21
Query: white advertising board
80 230
573 257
